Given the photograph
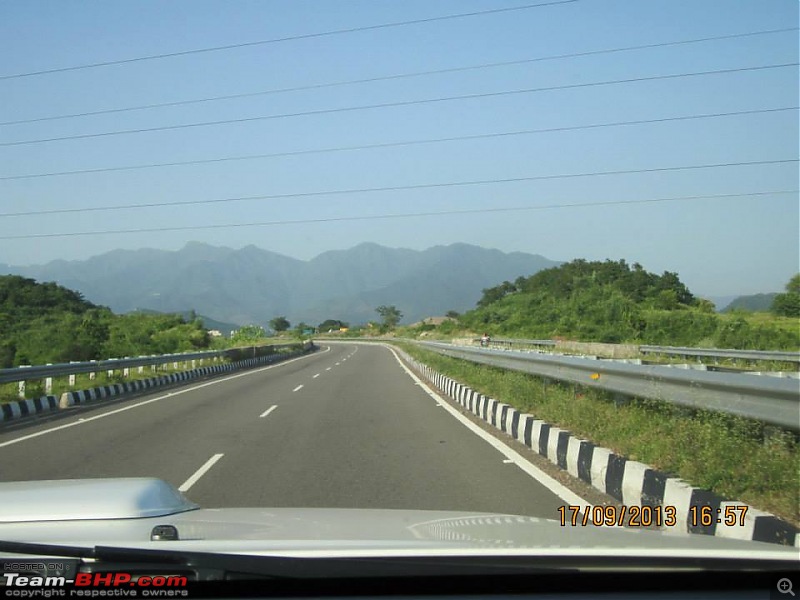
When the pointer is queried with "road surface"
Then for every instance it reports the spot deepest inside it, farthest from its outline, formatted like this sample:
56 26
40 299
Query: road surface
345 427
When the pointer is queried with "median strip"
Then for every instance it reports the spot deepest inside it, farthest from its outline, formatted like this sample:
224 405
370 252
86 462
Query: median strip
23 408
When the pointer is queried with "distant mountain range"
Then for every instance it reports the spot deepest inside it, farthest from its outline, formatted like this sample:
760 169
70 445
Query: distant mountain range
252 285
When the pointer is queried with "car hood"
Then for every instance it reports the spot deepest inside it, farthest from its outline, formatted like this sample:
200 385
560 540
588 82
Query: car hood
124 513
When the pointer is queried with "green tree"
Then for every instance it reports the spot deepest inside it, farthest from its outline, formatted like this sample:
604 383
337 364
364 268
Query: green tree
391 316
452 314
280 324
706 306
302 329
248 334
788 304
331 324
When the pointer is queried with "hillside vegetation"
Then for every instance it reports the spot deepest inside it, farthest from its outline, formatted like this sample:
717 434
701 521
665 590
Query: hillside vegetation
752 303
45 323
612 301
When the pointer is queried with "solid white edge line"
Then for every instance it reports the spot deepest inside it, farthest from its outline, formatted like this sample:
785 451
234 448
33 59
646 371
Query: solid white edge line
83 421
299 387
266 412
199 473
567 495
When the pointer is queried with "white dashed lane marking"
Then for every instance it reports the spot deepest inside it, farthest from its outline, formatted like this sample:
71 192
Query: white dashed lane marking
199 473
266 412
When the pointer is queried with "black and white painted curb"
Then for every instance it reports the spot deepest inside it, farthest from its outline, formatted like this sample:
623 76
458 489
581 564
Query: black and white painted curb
631 483
23 408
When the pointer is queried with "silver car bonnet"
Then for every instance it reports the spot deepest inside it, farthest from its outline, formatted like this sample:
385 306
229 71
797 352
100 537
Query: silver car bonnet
117 520
76 499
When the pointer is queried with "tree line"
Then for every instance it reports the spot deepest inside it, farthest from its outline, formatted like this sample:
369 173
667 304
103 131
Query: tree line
46 323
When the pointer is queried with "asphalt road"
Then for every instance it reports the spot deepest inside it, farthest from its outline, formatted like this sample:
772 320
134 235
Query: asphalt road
345 427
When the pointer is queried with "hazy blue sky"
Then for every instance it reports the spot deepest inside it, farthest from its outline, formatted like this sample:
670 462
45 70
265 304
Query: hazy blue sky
736 244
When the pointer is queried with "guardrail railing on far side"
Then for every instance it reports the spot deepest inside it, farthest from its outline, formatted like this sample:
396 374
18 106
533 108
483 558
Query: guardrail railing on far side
770 400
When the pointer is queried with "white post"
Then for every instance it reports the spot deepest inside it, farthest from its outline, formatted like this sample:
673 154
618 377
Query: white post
48 383
72 380
22 390
92 375
141 370
110 373
126 372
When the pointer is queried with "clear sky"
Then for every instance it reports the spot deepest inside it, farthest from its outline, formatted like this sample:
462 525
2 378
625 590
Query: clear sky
745 242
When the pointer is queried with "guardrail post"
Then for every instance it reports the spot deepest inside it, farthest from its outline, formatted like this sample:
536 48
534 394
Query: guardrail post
174 366
92 375
194 363
141 370
21 388
126 372
72 380
48 383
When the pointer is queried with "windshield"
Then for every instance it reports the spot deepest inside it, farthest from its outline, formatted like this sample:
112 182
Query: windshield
402 255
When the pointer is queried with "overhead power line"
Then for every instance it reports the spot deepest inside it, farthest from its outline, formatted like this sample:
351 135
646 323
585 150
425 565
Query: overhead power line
395 215
305 36
480 136
394 77
397 104
420 186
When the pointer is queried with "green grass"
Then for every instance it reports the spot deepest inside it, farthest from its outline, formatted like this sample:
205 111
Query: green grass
734 457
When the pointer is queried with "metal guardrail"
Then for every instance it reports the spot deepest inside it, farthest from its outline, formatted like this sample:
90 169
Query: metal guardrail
518 342
719 353
793 357
771 400
74 368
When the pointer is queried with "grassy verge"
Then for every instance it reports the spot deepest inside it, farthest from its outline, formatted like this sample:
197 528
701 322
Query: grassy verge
731 456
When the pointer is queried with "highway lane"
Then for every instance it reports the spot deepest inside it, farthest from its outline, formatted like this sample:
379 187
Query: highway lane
344 427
